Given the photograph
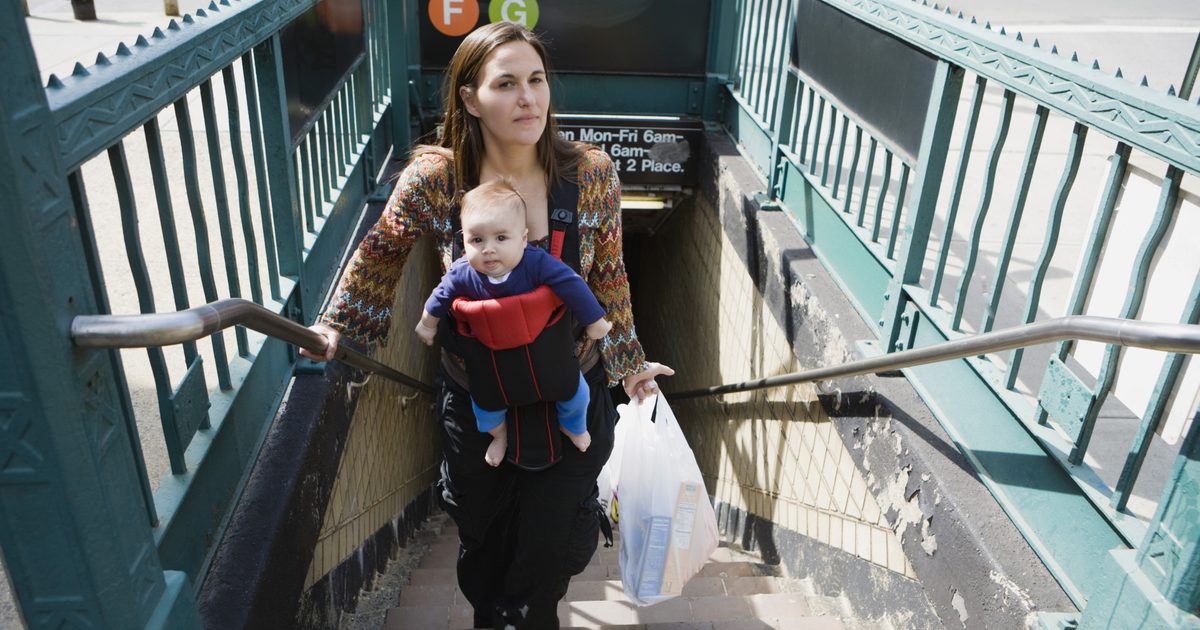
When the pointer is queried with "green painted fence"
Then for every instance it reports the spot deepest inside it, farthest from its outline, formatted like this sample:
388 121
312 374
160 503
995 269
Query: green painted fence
1060 439
162 176
186 128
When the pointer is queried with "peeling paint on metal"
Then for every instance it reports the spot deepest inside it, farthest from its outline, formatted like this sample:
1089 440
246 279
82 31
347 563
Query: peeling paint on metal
907 506
961 606
1011 590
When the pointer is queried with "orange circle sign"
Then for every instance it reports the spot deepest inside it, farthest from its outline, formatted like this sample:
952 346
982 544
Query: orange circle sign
454 17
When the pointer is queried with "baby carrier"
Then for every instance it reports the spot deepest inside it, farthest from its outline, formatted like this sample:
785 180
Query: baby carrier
520 350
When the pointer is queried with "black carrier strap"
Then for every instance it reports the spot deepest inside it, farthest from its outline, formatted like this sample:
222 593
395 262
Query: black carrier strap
564 225
527 380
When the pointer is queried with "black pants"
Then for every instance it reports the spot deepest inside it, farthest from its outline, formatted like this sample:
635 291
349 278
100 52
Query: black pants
522 534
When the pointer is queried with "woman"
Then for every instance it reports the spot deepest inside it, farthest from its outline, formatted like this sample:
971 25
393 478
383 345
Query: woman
523 533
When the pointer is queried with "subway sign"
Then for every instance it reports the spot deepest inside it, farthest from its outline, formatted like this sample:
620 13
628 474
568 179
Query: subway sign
655 37
651 150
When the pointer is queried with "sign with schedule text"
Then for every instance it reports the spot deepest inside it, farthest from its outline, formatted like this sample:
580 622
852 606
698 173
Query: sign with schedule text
647 151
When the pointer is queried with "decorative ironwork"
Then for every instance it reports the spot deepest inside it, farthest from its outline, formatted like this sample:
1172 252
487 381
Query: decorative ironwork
146 576
20 461
1162 125
93 108
45 194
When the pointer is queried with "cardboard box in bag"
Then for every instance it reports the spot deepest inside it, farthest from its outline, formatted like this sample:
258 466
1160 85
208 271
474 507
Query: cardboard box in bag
665 555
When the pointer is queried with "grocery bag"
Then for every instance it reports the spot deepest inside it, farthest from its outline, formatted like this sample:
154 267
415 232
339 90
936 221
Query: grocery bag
668 527
610 474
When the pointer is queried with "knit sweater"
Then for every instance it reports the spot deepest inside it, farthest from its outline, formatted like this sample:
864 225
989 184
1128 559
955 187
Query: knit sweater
421 203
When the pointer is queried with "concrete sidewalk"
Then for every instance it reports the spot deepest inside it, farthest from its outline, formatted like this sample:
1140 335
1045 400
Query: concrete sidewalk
59 40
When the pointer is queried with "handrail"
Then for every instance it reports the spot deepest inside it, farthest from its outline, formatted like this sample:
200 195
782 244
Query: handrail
164 329
1125 332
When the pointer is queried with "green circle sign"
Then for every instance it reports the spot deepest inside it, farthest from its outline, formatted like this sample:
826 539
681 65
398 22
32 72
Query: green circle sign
523 12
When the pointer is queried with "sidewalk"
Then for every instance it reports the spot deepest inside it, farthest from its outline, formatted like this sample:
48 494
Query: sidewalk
59 40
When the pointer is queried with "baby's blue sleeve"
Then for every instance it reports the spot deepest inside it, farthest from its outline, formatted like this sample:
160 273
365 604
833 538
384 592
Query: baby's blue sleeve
571 289
444 293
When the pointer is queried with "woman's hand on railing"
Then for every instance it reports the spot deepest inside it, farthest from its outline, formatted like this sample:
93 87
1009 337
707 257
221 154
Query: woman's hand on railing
642 385
332 337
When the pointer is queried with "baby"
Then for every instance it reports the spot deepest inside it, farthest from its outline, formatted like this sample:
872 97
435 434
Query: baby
499 262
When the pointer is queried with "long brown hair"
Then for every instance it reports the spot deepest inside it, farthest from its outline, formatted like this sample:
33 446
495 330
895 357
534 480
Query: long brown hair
460 130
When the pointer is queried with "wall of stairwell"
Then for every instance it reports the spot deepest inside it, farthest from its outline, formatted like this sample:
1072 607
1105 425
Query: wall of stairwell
391 454
773 453
853 484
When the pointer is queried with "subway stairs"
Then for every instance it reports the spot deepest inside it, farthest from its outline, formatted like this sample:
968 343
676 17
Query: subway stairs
734 591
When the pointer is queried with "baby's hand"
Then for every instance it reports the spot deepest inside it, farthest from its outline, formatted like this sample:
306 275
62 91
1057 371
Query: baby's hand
598 328
426 332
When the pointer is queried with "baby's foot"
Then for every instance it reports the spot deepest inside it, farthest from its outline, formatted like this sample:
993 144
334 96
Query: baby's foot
581 441
495 451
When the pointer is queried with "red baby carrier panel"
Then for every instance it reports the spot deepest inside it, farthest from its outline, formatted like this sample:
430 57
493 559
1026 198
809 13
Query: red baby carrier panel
544 370
519 349
514 364
508 322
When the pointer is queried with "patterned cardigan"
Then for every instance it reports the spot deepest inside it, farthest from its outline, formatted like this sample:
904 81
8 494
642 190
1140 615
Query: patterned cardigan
421 203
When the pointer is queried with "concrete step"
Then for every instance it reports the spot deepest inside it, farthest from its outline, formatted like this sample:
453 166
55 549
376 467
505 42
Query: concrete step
431 617
696 587
734 590
437 589
762 610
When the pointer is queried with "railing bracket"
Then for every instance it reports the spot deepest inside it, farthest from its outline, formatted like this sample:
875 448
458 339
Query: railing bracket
309 367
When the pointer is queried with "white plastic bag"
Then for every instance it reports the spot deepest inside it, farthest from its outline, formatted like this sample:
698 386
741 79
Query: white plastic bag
610 474
668 527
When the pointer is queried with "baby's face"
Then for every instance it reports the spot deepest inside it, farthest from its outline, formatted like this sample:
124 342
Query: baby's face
495 239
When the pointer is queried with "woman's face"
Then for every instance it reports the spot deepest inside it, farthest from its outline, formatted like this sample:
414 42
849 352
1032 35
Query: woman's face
510 97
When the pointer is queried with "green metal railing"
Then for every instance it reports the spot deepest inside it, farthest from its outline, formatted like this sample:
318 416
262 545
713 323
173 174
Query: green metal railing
889 226
86 537
1178 338
154 330
239 211
191 121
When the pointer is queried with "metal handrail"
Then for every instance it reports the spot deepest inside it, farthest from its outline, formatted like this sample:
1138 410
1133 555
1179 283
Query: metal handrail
1125 332
165 329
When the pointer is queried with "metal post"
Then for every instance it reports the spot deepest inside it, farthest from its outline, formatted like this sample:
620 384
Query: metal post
722 37
1158 584
277 141
1189 76
1171 553
83 9
400 41
788 87
931 163
73 526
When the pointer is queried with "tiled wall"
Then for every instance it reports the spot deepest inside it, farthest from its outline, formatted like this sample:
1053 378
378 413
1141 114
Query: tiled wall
773 453
391 453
